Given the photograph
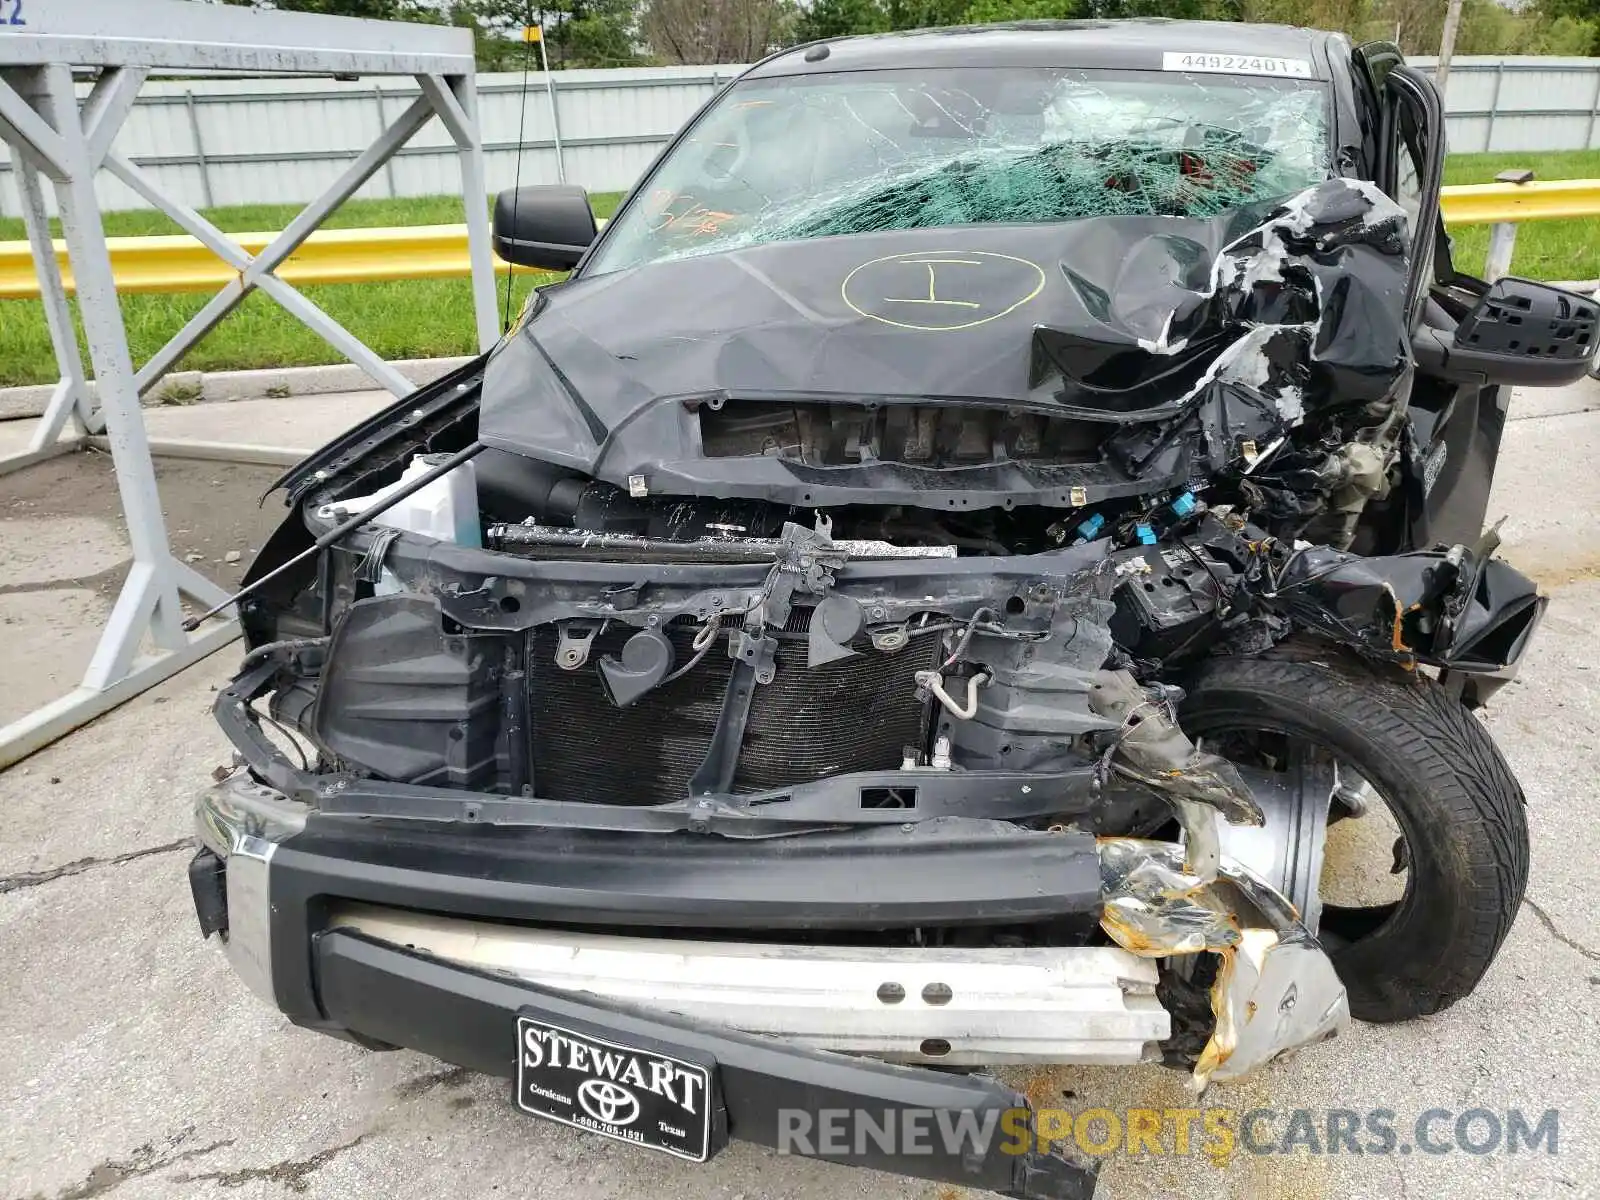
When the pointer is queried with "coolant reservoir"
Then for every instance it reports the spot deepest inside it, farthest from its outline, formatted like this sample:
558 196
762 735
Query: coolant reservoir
446 509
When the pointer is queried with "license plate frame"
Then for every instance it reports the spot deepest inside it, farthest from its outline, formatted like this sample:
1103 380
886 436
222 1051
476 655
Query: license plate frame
579 1078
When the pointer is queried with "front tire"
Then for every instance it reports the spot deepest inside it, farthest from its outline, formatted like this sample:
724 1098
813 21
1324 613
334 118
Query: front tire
1459 809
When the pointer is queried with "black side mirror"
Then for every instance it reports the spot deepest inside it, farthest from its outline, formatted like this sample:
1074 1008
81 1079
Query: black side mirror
548 225
1520 332
1530 333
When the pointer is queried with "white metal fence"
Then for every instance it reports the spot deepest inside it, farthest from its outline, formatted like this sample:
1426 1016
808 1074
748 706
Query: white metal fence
1521 102
244 141
257 141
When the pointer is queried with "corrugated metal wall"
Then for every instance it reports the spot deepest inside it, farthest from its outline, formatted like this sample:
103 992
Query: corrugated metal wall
216 141
1521 103
251 141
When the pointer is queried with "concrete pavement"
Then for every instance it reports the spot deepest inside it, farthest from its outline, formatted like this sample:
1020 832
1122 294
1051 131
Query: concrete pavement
133 1063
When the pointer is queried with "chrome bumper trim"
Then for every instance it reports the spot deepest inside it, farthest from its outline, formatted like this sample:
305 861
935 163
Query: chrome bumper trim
242 823
1041 1005
248 938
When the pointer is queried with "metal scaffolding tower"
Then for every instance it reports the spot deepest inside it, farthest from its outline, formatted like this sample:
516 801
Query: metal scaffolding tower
121 43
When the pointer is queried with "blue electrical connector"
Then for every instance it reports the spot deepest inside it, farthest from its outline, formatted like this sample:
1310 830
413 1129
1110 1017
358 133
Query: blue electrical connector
1145 534
1090 528
1184 504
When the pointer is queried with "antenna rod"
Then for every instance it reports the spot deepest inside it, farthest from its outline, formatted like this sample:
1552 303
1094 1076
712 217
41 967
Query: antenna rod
340 530
530 32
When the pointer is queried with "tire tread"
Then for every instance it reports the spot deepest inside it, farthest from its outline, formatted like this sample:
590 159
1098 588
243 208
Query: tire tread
1464 803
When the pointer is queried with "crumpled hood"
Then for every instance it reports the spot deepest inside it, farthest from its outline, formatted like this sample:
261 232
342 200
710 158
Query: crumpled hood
1115 319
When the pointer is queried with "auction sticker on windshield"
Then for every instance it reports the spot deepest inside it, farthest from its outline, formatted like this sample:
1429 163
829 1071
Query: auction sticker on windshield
1235 64
632 1093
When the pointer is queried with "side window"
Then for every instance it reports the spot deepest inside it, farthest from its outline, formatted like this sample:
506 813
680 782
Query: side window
1408 173
1408 181
1411 162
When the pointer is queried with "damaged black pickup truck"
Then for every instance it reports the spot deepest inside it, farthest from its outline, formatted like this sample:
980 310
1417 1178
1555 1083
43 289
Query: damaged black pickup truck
991 515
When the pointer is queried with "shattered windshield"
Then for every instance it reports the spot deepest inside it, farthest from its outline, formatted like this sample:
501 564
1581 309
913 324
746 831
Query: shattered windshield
859 152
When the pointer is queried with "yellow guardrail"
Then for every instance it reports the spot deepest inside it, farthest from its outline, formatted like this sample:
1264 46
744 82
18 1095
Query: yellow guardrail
181 264
1541 200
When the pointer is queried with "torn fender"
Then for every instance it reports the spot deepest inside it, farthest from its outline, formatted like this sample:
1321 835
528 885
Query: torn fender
1189 346
1275 989
1452 607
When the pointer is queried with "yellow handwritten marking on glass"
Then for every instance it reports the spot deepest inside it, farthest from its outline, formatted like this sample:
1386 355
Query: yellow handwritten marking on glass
961 288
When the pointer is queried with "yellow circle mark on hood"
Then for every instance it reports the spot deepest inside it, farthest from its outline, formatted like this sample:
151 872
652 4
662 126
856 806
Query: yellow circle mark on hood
938 290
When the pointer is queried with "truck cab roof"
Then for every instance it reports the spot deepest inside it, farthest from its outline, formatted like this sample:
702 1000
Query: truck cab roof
1138 45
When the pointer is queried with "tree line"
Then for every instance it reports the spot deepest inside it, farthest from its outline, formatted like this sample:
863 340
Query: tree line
632 33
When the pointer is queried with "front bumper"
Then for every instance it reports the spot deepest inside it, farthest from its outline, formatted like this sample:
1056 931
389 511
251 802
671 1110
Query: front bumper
291 914
422 934
276 878
395 995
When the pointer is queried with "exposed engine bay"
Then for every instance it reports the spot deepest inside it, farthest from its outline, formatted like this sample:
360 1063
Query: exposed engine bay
1248 436
747 665
931 593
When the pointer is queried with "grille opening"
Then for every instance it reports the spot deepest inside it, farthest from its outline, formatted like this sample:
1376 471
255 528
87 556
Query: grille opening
779 798
583 747
853 714
888 797
839 435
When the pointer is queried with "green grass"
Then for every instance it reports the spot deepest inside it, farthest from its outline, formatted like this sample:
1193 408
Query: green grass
429 318
1544 249
248 218
414 318
423 318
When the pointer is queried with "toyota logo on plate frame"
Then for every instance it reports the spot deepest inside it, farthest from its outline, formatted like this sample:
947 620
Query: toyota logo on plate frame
643 1092
607 1101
